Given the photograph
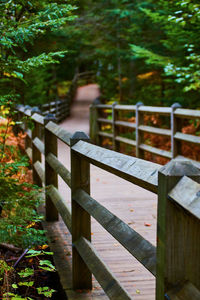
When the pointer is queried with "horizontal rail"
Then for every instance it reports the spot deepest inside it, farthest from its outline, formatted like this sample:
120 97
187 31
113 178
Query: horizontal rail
125 124
140 248
187 113
125 141
61 206
187 138
104 276
105 134
102 120
29 152
59 132
125 107
137 171
155 130
38 118
38 144
156 151
40 170
59 168
187 194
155 109
29 133
103 106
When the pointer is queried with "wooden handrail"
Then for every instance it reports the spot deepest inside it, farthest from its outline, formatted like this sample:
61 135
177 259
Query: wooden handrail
177 185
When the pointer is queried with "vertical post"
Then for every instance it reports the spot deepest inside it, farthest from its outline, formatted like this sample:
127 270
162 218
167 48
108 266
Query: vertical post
51 177
175 126
169 250
94 126
114 128
81 220
139 134
36 155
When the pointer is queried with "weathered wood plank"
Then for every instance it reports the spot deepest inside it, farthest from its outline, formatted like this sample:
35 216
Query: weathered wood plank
38 144
186 291
105 277
59 132
59 168
187 194
177 232
99 106
105 134
155 130
187 137
125 107
156 150
38 118
194 162
40 170
81 220
102 120
140 248
36 154
187 113
125 124
154 109
125 140
61 206
29 152
137 171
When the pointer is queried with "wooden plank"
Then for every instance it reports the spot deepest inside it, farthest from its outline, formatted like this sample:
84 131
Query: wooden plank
100 106
187 194
125 141
186 291
187 113
102 120
155 130
29 153
38 118
137 171
36 154
178 238
59 168
139 135
105 134
51 177
140 248
29 133
59 132
61 206
40 170
156 151
38 144
155 109
81 220
105 277
125 107
125 124
187 138
194 162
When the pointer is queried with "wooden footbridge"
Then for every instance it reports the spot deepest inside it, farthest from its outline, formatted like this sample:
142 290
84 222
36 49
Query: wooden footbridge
101 215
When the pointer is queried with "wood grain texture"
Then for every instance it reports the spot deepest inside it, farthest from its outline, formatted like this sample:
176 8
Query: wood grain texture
59 132
140 248
187 137
105 277
137 171
38 144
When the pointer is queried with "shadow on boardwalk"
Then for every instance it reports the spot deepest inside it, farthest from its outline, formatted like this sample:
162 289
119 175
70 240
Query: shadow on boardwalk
132 204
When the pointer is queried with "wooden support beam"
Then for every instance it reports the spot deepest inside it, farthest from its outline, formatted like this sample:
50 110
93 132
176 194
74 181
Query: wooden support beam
81 220
176 243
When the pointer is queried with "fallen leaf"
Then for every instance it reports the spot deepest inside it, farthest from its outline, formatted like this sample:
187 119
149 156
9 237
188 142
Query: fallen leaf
147 224
137 291
131 209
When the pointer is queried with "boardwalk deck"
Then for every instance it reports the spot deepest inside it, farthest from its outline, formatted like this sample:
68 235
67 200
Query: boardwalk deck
135 206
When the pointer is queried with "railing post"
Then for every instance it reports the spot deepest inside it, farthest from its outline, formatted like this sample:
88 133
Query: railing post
36 155
170 235
94 126
175 126
81 220
139 134
114 128
51 177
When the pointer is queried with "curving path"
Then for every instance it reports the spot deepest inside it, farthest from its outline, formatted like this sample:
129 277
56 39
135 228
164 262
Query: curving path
132 204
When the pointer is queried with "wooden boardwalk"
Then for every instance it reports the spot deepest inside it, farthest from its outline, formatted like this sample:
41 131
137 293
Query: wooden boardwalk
135 206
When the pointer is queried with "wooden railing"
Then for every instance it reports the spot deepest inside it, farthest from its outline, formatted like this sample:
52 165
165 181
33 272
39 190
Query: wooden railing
176 259
175 114
59 108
